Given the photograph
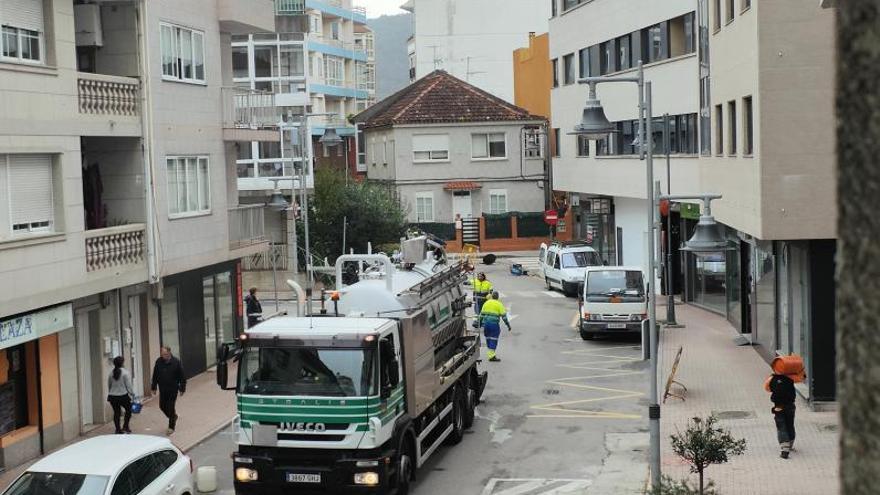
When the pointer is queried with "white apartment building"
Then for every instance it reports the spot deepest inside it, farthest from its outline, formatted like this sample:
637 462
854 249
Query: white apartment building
749 88
473 40
118 201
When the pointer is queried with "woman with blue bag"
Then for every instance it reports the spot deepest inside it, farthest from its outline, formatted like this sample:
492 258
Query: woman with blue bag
120 395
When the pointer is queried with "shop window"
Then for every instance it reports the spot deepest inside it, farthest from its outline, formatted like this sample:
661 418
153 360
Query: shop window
16 381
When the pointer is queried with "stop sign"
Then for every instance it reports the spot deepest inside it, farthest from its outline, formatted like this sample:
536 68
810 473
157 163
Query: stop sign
551 217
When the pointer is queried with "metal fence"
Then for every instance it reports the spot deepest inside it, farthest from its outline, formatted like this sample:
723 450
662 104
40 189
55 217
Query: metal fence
290 7
498 226
445 231
531 224
245 108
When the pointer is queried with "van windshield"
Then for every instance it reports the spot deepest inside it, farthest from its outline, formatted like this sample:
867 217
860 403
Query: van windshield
580 259
621 285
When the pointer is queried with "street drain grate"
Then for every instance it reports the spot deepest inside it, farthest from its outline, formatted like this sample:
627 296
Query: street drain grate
734 414
828 427
550 391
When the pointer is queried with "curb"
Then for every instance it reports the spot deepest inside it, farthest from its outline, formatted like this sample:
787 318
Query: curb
209 434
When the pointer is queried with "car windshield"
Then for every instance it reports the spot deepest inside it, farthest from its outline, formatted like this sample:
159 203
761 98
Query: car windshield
580 259
33 483
307 371
625 285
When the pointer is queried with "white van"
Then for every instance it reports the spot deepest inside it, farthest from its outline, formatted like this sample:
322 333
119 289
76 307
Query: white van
612 301
563 264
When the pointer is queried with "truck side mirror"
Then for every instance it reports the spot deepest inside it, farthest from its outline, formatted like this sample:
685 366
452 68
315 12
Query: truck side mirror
394 373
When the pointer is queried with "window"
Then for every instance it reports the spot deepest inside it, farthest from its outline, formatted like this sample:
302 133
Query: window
746 4
490 145
430 147
681 35
533 143
30 183
568 68
624 55
553 8
730 10
731 127
583 146
657 42
425 207
164 459
584 60
570 4
608 52
183 54
334 30
240 62
717 14
555 150
748 126
719 131
188 185
555 64
136 476
334 70
497 201
595 61
21 35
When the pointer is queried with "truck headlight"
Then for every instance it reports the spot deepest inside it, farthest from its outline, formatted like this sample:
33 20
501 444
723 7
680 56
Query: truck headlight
369 478
244 475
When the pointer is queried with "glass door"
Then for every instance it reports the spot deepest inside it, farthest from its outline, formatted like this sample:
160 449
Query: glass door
210 322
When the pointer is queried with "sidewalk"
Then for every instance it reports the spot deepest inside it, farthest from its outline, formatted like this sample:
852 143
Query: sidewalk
203 410
727 380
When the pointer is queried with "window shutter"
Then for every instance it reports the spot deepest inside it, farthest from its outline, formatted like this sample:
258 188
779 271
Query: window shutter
430 142
24 14
30 185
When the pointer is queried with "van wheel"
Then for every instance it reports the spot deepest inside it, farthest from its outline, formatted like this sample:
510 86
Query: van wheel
547 282
458 406
570 290
587 335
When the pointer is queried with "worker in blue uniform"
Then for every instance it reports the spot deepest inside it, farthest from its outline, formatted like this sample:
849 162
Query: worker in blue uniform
491 316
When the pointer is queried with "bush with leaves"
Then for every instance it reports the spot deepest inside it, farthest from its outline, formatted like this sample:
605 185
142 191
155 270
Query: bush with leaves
671 486
703 444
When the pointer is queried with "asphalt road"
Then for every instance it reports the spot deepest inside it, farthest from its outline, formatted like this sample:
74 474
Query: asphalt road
549 409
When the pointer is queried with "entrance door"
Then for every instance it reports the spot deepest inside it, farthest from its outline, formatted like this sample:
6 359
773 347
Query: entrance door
133 337
210 322
462 204
746 284
84 370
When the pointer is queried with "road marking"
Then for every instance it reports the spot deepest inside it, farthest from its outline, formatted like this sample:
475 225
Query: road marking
535 486
550 293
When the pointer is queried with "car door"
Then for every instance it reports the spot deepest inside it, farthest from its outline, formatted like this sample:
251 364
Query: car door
542 252
174 472
135 477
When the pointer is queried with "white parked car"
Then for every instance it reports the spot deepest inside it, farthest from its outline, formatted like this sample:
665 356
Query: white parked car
564 264
110 465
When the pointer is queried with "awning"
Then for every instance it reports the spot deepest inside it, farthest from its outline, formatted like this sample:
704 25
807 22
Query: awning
463 185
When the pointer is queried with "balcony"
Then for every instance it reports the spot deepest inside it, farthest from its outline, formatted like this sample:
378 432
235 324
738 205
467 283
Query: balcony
247 227
115 248
290 7
336 47
249 115
110 105
246 16
339 8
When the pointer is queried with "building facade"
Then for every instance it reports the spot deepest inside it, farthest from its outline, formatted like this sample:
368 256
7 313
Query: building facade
117 172
747 88
473 41
471 158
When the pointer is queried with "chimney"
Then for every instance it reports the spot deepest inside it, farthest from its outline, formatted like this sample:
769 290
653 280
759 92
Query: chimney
531 34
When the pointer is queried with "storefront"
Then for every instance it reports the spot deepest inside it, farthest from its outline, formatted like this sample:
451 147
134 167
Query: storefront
200 309
30 395
594 224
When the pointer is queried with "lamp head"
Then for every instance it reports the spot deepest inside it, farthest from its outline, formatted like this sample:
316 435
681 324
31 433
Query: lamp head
707 238
330 138
594 124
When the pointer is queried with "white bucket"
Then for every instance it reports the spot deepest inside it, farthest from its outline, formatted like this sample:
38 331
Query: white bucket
206 479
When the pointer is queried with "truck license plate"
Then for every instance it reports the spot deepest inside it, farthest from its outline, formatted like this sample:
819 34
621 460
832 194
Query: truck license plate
617 325
303 478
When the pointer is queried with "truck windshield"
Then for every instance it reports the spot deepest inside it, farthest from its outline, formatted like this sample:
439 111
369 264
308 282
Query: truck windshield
622 285
580 259
307 371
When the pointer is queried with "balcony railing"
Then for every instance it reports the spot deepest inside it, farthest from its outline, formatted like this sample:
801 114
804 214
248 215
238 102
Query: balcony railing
246 225
101 94
290 7
114 246
248 108
359 10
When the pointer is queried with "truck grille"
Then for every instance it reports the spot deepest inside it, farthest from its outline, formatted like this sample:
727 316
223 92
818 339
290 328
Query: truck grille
306 437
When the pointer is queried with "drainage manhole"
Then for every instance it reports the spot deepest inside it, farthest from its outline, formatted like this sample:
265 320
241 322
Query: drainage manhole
734 414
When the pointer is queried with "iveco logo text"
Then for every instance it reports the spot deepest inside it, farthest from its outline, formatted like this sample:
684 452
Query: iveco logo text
303 426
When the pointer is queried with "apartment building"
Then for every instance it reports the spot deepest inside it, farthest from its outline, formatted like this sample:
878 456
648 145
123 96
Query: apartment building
473 41
319 59
118 204
749 90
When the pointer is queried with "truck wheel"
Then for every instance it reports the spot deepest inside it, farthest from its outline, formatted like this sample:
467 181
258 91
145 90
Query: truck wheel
405 463
470 402
458 406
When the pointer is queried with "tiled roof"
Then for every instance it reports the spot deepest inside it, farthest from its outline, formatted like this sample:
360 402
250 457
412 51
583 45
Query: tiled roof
462 185
441 98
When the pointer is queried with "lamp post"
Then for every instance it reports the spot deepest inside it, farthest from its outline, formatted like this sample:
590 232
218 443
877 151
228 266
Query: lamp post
670 285
595 125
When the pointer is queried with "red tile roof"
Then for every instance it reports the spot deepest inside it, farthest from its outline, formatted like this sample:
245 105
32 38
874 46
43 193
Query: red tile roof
462 185
441 98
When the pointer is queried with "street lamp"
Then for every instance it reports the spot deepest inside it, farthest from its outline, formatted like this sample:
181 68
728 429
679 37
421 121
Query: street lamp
330 138
595 125
707 237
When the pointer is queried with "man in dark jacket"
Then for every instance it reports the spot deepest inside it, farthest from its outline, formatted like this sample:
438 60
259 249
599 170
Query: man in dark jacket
254 308
782 394
168 377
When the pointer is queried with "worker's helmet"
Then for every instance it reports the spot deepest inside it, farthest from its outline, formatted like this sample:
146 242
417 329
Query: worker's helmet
495 295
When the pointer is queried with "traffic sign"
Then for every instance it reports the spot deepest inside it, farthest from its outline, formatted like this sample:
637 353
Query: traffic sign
551 217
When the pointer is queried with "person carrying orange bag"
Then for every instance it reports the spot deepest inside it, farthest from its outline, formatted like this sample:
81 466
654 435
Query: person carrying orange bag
787 370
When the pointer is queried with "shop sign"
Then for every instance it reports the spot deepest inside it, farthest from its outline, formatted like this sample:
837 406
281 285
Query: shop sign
690 211
21 329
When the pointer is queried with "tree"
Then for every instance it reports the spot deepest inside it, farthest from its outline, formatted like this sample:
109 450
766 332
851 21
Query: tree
369 210
703 444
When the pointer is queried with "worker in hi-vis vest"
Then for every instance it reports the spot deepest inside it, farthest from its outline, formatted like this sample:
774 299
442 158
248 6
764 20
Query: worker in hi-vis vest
482 288
491 316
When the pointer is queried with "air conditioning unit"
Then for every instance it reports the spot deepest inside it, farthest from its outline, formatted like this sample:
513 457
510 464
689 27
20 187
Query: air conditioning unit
87 23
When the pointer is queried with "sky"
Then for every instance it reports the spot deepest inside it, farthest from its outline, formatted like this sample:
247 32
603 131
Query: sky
376 8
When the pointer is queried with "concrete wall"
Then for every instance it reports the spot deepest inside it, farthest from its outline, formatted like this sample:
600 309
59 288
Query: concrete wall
533 76
487 31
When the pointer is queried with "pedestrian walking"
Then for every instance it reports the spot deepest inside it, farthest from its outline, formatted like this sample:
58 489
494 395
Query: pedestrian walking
168 377
254 308
491 316
120 394
482 288
786 371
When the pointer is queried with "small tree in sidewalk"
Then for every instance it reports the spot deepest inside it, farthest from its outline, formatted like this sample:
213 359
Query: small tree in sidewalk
703 444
